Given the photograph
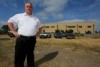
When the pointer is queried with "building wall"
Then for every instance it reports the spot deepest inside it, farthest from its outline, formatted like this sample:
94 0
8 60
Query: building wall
77 27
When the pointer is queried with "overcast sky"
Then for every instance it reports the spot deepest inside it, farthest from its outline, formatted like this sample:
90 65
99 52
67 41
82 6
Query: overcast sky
50 11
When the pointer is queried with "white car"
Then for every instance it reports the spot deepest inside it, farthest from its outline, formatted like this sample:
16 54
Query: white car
45 35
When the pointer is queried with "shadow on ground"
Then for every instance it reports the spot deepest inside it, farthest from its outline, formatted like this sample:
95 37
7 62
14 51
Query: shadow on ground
4 39
46 58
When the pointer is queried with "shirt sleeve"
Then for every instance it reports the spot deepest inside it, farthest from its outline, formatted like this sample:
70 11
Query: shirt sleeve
39 24
13 19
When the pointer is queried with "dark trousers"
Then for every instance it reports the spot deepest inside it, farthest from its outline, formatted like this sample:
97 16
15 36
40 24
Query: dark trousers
24 48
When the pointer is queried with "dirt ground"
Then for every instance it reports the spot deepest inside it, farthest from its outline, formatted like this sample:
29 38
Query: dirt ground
56 52
65 56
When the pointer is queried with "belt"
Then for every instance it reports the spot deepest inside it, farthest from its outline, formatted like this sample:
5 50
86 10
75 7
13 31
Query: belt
27 36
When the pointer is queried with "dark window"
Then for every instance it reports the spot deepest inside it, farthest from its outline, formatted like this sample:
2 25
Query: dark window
80 26
46 26
52 26
89 26
71 26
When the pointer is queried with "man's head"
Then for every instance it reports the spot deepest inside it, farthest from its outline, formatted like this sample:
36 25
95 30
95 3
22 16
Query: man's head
28 8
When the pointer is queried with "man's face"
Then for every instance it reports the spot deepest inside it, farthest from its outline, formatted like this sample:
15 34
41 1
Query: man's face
28 8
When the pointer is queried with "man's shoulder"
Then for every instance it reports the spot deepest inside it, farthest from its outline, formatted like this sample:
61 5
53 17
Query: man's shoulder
19 14
35 17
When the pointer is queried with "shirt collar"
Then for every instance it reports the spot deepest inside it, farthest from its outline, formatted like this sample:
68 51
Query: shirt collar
27 15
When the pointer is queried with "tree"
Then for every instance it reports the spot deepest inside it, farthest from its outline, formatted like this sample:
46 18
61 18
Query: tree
4 29
0 31
57 31
88 32
69 31
96 31
66 31
62 31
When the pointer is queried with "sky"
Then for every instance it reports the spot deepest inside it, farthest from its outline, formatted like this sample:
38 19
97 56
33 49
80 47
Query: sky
51 11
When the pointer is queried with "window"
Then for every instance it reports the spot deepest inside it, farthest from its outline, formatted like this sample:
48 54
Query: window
52 26
80 26
46 26
89 26
71 26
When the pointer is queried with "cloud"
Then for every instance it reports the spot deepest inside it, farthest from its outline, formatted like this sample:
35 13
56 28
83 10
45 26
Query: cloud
74 20
94 4
3 2
58 16
12 4
91 6
97 24
35 2
52 8
3 23
42 15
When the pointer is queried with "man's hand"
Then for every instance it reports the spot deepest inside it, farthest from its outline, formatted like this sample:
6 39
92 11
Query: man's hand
38 33
11 27
15 34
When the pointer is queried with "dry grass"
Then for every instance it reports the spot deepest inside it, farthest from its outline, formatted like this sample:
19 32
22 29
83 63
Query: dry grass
7 46
89 43
6 51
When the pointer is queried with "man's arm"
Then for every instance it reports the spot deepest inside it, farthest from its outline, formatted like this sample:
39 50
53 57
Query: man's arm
38 33
11 27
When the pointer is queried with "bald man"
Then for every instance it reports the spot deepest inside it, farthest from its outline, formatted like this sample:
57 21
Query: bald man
29 27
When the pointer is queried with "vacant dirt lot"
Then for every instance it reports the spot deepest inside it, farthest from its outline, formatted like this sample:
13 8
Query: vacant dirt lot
80 52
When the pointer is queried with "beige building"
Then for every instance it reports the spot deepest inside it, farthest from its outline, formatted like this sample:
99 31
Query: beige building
77 27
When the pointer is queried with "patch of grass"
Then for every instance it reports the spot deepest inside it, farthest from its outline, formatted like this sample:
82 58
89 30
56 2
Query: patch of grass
84 43
95 48
4 39
3 53
96 37
6 51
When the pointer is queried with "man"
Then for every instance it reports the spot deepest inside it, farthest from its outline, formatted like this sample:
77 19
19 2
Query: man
29 27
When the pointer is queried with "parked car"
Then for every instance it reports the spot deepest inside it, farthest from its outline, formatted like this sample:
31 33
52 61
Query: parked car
58 35
10 34
64 34
45 35
49 35
70 36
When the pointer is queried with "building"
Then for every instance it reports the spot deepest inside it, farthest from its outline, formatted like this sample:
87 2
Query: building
77 27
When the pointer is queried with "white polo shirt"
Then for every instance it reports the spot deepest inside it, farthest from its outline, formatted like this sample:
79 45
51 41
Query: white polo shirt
27 25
